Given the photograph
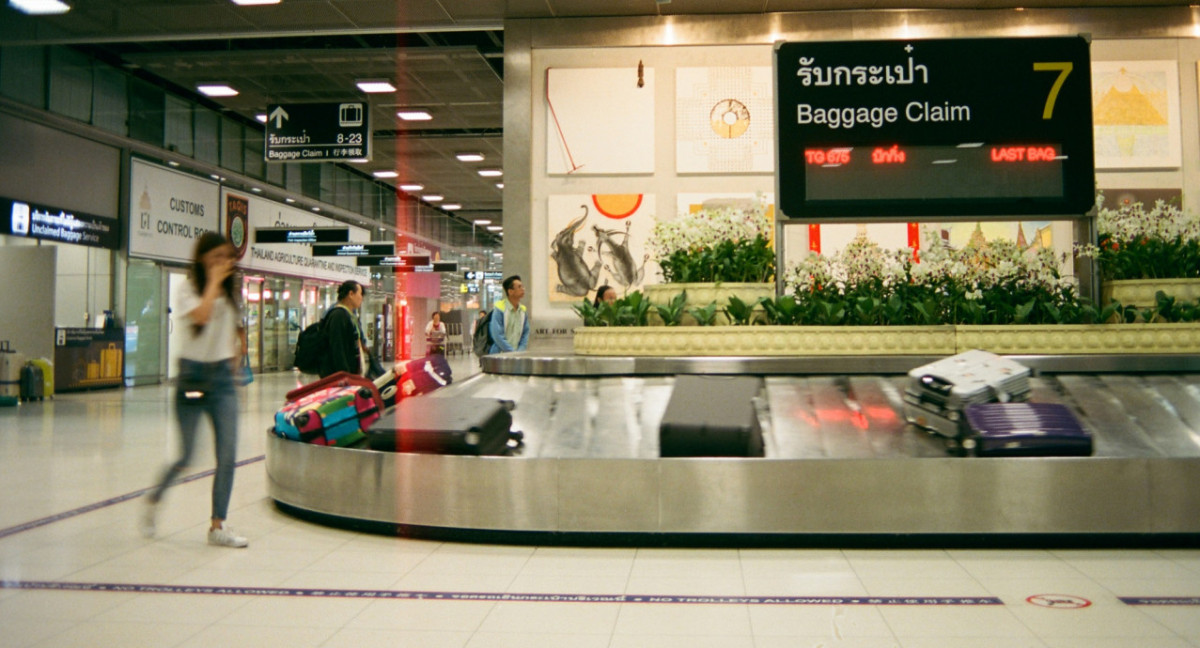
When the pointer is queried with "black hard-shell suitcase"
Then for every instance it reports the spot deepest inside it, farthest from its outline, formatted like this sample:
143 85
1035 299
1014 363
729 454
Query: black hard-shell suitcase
1024 429
470 426
33 383
712 416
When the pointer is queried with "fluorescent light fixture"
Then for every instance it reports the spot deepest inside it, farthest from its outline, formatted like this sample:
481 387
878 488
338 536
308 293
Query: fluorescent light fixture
412 187
256 189
358 160
414 115
491 173
470 157
214 176
495 228
499 185
316 209
173 163
375 85
262 117
385 174
451 206
40 7
289 200
251 3
482 221
433 198
217 90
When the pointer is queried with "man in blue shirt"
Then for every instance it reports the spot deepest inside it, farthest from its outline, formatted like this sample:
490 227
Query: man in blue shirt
510 320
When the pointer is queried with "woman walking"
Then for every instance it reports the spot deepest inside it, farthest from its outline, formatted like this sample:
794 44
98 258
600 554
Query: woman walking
213 342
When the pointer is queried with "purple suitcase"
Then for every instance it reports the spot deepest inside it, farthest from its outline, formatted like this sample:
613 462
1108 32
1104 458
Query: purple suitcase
1024 429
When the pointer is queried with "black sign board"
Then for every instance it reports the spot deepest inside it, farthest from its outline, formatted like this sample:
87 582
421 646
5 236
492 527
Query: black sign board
445 266
951 128
26 219
320 132
302 235
355 249
395 261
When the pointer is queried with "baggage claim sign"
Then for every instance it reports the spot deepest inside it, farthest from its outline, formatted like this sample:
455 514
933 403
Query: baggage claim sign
892 130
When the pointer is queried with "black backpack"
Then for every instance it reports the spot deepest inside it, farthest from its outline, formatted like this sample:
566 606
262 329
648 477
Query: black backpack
312 346
482 340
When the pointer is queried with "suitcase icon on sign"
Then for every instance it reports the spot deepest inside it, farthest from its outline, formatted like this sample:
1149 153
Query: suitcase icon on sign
350 114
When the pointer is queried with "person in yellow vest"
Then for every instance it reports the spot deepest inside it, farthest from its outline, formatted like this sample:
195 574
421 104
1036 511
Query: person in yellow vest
510 319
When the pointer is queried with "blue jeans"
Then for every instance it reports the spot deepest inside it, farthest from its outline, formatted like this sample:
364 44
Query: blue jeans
220 403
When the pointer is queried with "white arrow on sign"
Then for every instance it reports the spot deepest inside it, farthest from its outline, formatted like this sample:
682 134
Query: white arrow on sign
279 114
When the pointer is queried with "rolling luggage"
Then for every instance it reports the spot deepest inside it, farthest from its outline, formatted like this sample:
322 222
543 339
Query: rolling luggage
47 376
33 384
937 392
467 426
424 375
11 364
712 416
1024 429
333 411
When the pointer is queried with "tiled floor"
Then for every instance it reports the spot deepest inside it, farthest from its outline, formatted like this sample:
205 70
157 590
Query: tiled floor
76 571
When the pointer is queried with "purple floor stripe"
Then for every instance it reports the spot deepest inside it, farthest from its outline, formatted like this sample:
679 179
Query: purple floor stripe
4 533
1160 600
134 588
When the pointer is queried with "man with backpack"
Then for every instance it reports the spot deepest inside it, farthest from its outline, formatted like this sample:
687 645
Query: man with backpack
506 327
335 343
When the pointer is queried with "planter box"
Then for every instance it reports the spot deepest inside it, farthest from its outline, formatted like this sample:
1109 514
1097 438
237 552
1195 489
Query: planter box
1140 292
702 294
886 340
1080 339
763 340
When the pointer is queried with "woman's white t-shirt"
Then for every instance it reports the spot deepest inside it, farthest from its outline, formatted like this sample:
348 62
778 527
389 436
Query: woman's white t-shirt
217 340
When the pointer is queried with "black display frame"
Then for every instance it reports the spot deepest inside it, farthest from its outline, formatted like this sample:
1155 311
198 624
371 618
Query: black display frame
1018 92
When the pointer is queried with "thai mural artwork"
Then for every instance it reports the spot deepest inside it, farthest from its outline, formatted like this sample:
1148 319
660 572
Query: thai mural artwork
596 240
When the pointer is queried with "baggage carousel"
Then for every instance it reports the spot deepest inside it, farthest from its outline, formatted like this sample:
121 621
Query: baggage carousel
841 465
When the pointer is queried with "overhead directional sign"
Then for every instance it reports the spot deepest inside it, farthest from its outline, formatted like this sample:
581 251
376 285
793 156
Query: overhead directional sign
302 235
324 132
355 249
395 261
445 266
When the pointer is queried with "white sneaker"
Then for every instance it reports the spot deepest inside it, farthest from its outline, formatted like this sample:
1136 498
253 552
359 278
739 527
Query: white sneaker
147 521
224 537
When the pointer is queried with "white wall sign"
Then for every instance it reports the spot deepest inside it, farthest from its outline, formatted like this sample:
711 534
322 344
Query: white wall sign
294 258
168 210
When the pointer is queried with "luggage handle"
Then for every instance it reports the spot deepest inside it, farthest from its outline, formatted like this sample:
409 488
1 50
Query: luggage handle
339 379
936 384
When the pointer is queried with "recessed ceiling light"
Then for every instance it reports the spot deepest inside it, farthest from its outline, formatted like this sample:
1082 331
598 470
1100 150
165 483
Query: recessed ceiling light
385 174
217 90
40 7
249 3
412 187
414 115
262 117
482 221
470 157
451 206
491 173
499 185
375 85
433 198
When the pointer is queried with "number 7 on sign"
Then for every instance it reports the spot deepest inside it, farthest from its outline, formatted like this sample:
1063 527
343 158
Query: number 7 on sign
1063 68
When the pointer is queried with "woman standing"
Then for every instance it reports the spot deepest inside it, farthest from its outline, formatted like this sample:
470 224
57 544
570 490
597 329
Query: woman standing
435 334
213 341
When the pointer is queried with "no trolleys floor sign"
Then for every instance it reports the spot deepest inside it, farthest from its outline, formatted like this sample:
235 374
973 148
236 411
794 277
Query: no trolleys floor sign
318 132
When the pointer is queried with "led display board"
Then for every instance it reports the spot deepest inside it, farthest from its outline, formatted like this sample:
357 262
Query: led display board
949 127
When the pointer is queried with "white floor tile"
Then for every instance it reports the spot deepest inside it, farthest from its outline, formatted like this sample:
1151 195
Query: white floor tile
366 638
719 584
836 621
825 642
303 612
537 640
972 642
568 583
554 618
258 637
450 616
668 619
126 635
192 609
1116 642
953 621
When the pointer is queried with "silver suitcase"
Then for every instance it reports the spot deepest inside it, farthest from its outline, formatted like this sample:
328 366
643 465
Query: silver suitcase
938 392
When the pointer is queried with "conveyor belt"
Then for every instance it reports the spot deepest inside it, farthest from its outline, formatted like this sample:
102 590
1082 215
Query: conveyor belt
839 460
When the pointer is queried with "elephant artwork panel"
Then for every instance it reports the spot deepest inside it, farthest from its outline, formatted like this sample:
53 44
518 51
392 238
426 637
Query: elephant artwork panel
596 240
